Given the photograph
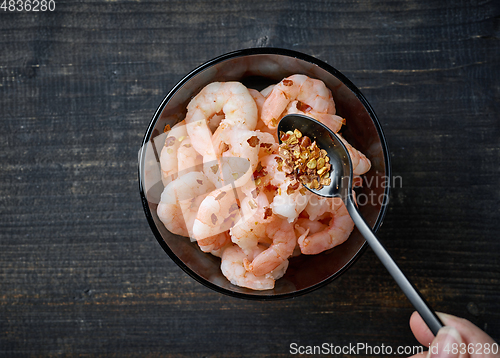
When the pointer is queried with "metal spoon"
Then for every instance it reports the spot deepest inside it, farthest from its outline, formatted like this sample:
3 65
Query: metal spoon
341 186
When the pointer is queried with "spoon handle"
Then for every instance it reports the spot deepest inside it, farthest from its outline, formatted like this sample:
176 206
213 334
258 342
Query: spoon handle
427 314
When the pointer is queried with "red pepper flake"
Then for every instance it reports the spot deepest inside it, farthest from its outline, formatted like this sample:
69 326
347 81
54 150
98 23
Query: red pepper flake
270 187
214 219
214 168
304 107
292 187
259 172
199 181
268 212
253 141
167 128
287 83
284 136
233 207
305 141
221 195
224 147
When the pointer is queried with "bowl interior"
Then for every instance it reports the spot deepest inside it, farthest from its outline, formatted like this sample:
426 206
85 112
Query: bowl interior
257 68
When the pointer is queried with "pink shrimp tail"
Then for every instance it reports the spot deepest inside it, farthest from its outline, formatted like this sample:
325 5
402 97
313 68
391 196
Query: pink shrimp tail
273 107
214 242
338 231
268 260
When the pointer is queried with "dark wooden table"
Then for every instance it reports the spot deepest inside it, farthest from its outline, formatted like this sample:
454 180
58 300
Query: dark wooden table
81 273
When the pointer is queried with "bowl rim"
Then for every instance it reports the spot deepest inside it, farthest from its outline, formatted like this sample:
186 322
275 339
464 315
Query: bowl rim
249 52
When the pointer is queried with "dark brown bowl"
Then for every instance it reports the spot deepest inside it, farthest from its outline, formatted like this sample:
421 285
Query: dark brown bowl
257 68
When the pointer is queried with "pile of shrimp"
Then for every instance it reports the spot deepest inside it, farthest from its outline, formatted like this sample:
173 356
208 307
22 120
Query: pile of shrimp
223 188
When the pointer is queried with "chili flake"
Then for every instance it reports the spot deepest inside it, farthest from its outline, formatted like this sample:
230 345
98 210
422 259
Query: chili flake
253 141
302 161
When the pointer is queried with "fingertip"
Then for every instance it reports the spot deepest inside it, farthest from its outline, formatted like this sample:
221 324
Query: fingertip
414 318
420 330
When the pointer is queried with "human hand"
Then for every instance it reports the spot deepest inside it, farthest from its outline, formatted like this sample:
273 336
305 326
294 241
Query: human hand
458 339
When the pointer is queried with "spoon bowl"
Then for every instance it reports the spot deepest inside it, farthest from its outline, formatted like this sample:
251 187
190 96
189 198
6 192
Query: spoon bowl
341 186
341 166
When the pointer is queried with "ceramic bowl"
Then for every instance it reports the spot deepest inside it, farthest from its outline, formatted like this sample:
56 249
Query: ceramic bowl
257 68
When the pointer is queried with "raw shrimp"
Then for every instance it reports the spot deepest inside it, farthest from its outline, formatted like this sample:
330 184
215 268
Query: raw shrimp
180 200
233 268
168 155
360 163
284 240
338 230
229 98
332 121
311 92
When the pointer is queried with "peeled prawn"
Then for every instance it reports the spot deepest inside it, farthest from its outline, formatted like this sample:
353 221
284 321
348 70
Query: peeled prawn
240 147
217 213
180 200
168 154
282 234
311 92
261 126
267 91
233 268
215 244
248 232
338 230
332 121
228 98
360 163
188 159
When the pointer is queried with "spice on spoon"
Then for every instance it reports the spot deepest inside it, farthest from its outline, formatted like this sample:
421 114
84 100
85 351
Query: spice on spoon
302 160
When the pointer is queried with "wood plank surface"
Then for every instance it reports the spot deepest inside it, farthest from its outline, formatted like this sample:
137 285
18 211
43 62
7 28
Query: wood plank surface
81 274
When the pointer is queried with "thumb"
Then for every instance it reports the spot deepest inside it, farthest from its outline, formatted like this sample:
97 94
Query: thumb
446 344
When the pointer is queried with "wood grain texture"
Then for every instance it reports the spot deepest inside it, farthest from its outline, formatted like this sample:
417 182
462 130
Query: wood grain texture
82 275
